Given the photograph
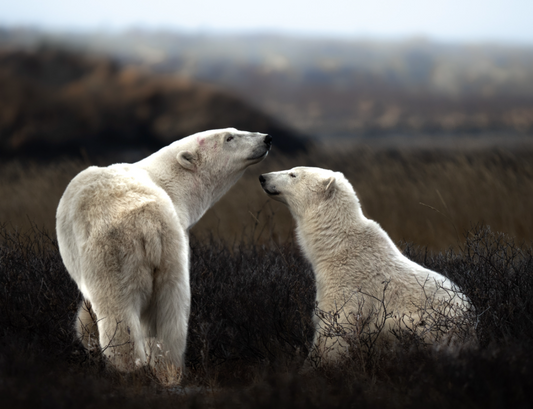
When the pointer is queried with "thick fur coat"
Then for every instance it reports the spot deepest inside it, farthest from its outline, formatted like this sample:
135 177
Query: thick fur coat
123 236
360 273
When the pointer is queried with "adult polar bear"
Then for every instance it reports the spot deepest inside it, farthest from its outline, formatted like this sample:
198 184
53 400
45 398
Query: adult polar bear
358 269
123 236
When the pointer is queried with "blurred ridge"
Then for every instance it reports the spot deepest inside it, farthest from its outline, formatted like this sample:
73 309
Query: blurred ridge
58 103
332 87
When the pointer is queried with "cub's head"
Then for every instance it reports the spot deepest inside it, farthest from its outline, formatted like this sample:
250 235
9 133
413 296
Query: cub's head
223 151
302 188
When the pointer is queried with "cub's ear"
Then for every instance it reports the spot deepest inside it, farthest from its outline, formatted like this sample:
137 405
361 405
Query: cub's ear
187 160
329 186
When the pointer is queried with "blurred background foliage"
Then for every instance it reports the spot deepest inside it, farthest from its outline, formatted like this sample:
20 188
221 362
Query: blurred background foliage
434 137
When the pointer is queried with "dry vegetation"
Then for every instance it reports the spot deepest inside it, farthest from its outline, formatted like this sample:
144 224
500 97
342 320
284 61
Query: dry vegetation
426 197
250 331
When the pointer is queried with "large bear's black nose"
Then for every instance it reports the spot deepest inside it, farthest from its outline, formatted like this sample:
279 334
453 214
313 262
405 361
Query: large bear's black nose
268 141
262 180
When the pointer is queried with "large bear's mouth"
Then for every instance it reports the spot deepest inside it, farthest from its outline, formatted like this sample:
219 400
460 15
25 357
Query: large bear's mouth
258 155
262 151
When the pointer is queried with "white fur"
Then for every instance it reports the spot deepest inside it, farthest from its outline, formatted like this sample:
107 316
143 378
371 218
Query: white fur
352 257
123 236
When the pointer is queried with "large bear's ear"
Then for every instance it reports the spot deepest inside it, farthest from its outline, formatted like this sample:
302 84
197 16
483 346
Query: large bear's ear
329 186
187 160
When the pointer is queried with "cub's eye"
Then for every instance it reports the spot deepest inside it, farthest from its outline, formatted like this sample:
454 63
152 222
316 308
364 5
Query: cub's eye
292 175
229 138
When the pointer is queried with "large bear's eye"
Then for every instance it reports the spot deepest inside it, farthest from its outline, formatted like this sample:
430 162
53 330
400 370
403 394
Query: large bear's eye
292 175
229 138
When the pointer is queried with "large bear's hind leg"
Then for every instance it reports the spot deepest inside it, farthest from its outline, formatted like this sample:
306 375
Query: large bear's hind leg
86 326
121 337
171 301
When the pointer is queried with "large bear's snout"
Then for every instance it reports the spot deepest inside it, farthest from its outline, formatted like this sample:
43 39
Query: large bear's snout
262 179
260 151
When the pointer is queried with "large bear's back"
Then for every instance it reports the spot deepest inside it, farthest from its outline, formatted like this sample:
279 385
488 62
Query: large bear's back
109 207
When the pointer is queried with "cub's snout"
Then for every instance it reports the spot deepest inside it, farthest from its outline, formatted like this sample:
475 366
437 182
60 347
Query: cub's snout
267 186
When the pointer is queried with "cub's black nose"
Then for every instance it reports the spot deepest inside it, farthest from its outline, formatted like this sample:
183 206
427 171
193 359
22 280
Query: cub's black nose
268 141
262 180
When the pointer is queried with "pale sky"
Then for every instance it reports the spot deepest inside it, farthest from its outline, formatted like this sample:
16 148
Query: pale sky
451 20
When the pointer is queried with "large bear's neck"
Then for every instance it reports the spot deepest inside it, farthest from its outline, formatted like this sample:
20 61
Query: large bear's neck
191 192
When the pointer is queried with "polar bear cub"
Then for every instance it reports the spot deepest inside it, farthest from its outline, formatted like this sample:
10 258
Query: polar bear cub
123 236
359 271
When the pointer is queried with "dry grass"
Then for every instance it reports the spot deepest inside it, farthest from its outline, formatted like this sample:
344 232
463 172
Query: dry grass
30 192
422 196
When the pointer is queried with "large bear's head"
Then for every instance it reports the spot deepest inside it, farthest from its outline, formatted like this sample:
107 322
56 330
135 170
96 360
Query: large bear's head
226 151
304 188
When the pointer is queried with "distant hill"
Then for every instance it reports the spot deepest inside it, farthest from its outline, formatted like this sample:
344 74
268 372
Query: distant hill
55 102
335 87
